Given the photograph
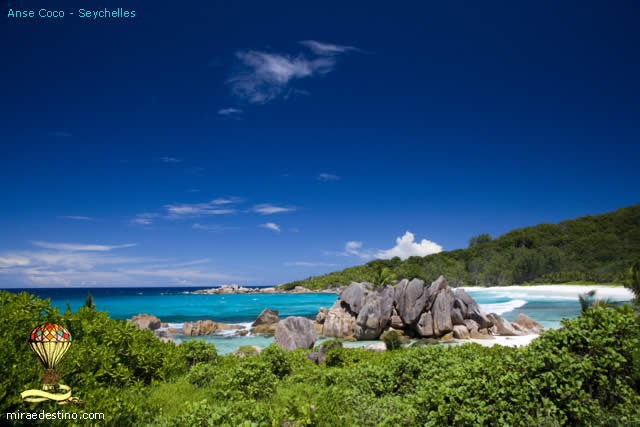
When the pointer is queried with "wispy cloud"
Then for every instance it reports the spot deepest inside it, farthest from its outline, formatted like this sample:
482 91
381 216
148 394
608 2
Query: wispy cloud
85 265
310 264
167 159
144 218
230 112
325 177
77 217
405 247
327 49
268 209
271 226
73 247
190 210
264 76
213 228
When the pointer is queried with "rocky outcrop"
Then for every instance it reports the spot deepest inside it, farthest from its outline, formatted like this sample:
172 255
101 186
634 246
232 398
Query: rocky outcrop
461 332
267 316
473 312
354 295
528 323
339 323
295 332
442 307
503 327
206 327
322 315
364 312
146 321
410 299
375 314
235 289
424 328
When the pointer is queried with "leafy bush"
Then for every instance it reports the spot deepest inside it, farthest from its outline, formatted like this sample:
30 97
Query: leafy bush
195 351
392 340
586 373
276 358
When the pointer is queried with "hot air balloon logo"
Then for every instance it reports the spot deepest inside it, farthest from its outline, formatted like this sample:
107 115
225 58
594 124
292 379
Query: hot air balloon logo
50 343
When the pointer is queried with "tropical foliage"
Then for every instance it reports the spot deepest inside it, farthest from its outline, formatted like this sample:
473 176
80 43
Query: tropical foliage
598 248
586 373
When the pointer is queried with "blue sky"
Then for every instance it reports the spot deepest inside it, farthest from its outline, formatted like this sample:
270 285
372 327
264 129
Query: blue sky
259 143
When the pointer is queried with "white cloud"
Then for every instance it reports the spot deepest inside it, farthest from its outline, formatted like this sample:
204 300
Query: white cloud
271 226
327 49
72 247
229 111
79 218
268 209
214 228
213 207
328 177
310 264
144 218
13 261
264 76
406 246
170 159
87 265
355 248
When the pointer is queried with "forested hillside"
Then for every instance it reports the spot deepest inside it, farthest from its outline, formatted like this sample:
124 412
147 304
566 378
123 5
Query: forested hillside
598 248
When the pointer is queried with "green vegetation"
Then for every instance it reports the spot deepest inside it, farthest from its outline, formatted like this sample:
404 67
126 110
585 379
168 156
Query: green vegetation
88 302
586 373
598 248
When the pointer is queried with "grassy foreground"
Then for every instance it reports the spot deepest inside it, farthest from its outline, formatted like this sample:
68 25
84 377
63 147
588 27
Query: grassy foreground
587 372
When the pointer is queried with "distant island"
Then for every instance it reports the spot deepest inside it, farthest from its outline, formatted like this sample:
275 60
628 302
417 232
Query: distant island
595 249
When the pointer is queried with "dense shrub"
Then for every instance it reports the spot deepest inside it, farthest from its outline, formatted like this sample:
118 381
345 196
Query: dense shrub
195 351
586 373
392 340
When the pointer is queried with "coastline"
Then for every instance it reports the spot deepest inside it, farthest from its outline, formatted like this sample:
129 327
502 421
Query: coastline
568 291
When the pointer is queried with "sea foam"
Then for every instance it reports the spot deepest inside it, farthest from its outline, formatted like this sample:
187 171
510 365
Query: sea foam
502 307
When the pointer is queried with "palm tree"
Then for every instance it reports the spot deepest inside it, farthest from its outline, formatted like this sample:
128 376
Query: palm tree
588 300
633 281
382 276
89 301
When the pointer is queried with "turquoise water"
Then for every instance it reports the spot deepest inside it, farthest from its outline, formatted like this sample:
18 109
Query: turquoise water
178 305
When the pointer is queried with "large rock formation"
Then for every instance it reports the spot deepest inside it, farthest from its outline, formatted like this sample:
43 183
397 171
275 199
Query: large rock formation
339 323
363 312
146 321
353 296
471 308
295 332
266 322
206 327
442 308
528 323
375 314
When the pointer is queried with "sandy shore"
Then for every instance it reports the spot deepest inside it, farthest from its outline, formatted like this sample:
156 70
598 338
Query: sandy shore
566 291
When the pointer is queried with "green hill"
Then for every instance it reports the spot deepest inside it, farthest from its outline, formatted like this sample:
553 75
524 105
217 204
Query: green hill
598 248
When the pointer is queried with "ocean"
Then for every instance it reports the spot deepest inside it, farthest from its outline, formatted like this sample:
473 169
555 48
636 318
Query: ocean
546 304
